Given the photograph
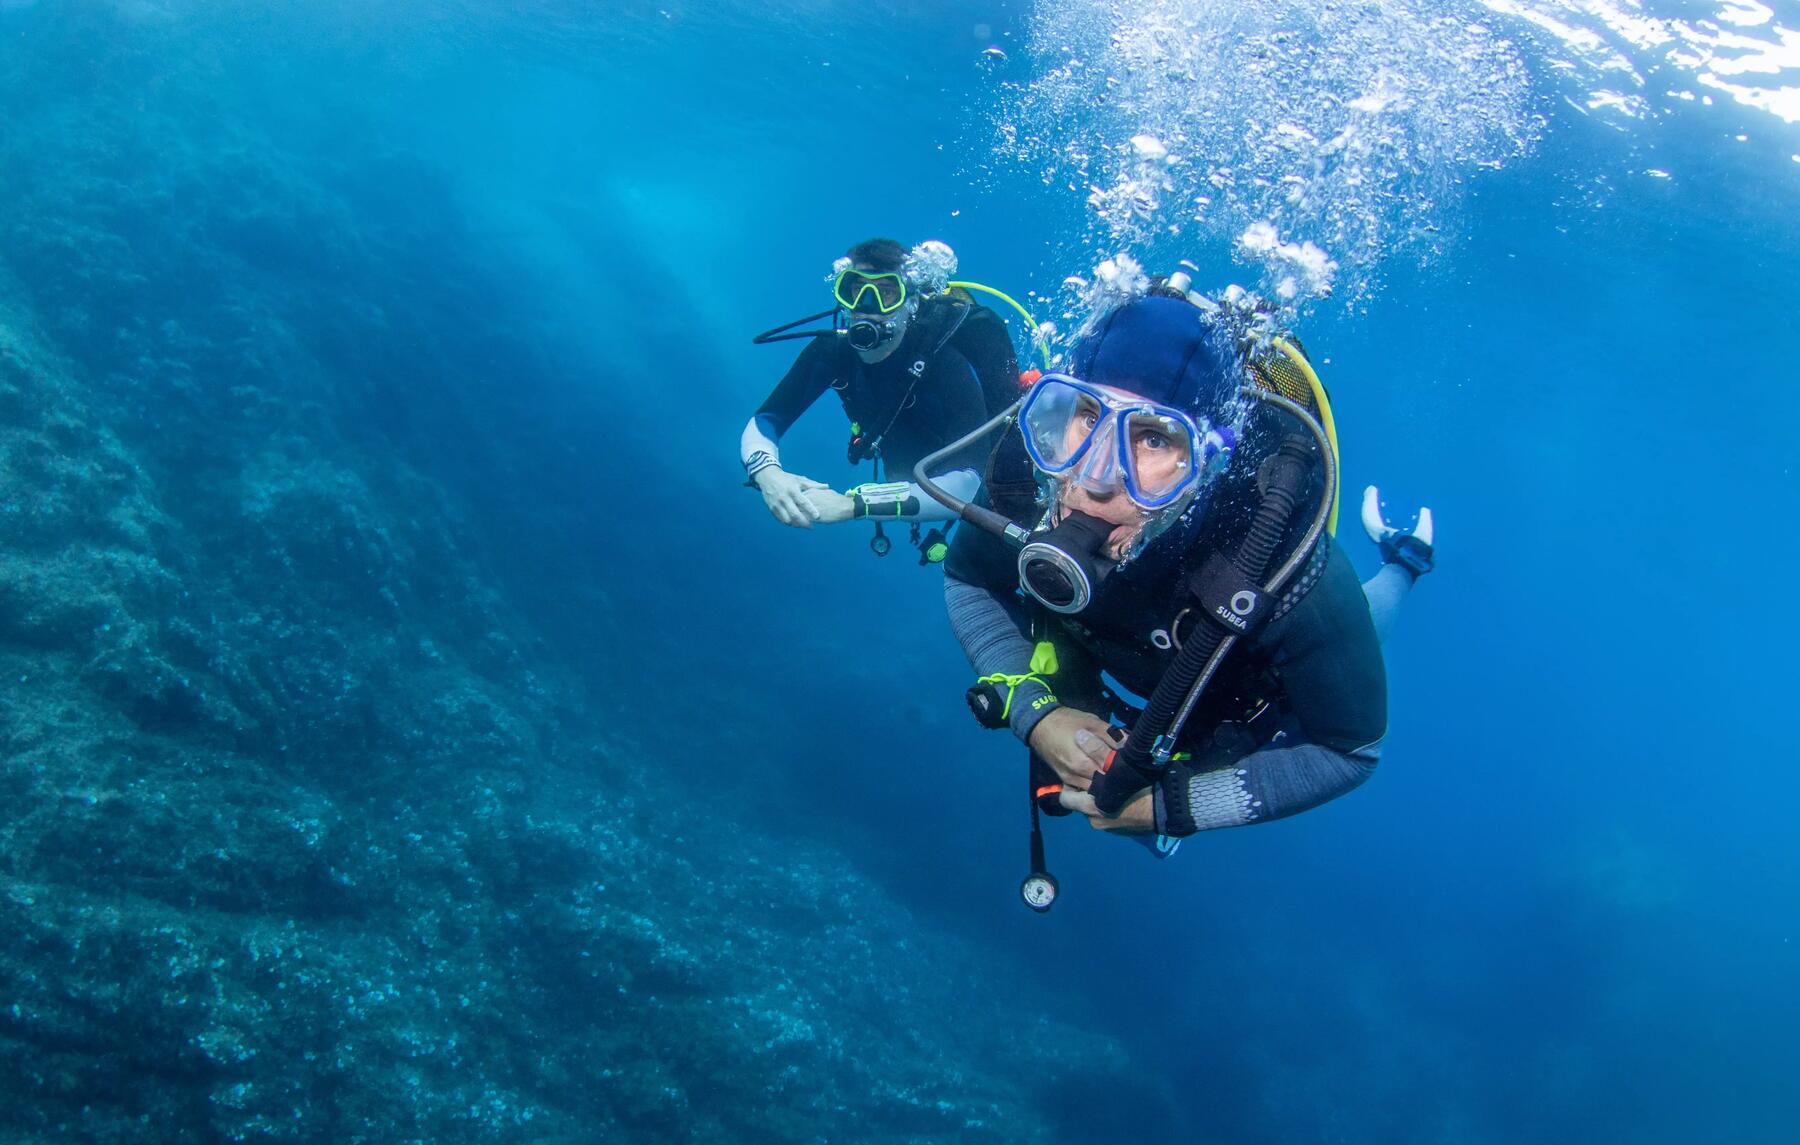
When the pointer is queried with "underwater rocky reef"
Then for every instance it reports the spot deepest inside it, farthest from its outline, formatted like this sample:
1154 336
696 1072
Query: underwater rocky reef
310 826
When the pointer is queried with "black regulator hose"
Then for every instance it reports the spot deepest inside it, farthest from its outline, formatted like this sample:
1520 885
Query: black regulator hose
984 519
780 333
1231 595
1231 604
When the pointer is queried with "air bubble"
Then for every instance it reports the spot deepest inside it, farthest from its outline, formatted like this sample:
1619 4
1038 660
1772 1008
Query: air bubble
1347 130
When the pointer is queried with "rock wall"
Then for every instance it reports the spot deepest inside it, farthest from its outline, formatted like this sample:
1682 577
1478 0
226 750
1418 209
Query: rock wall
305 831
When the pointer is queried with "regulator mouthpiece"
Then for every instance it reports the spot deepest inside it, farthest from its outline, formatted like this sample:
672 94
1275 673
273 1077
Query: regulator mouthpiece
866 334
1062 567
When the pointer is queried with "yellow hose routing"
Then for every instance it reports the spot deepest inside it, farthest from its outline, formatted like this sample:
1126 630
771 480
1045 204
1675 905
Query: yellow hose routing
1325 419
1030 322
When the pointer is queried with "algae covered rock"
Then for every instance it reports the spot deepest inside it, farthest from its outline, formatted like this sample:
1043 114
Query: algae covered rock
310 828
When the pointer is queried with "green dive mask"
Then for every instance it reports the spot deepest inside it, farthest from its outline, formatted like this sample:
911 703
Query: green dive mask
853 288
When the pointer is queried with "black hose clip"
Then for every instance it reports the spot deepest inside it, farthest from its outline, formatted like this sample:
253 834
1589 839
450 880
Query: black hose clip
862 447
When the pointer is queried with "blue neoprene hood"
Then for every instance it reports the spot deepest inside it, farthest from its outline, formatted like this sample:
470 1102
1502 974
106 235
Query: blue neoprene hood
1164 349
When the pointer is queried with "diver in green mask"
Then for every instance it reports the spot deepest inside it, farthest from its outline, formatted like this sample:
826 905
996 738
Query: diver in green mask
898 352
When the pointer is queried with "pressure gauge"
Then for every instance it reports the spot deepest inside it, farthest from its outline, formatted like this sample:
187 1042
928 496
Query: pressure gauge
1039 891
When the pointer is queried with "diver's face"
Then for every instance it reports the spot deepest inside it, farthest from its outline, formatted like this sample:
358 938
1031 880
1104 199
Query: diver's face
1096 486
899 318
868 301
1111 505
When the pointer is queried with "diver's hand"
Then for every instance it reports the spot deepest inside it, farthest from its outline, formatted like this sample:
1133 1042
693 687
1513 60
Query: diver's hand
1138 817
829 506
785 495
1075 743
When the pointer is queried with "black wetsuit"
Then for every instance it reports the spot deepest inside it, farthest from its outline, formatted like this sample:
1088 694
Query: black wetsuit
1294 717
904 415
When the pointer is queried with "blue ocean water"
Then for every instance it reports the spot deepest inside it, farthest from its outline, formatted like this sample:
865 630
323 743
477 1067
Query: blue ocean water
523 251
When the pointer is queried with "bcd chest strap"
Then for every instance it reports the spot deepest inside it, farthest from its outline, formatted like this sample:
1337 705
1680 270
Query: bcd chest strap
938 322
1226 595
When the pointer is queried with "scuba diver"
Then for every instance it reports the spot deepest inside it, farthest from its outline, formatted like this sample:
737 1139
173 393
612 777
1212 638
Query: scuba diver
1179 547
917 363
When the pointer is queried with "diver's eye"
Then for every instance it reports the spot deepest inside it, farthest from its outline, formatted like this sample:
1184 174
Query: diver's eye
1152 440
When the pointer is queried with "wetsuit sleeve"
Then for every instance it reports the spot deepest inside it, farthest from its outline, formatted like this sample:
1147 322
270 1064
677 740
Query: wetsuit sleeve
809 377
1326 657
962 484
992 628
1282 779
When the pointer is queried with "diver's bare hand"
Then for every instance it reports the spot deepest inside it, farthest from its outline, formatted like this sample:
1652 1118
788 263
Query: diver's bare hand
829 506
785 495
1075 743
1137 817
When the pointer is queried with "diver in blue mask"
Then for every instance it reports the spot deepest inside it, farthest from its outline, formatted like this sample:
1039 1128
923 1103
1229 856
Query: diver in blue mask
908 358
1169 623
